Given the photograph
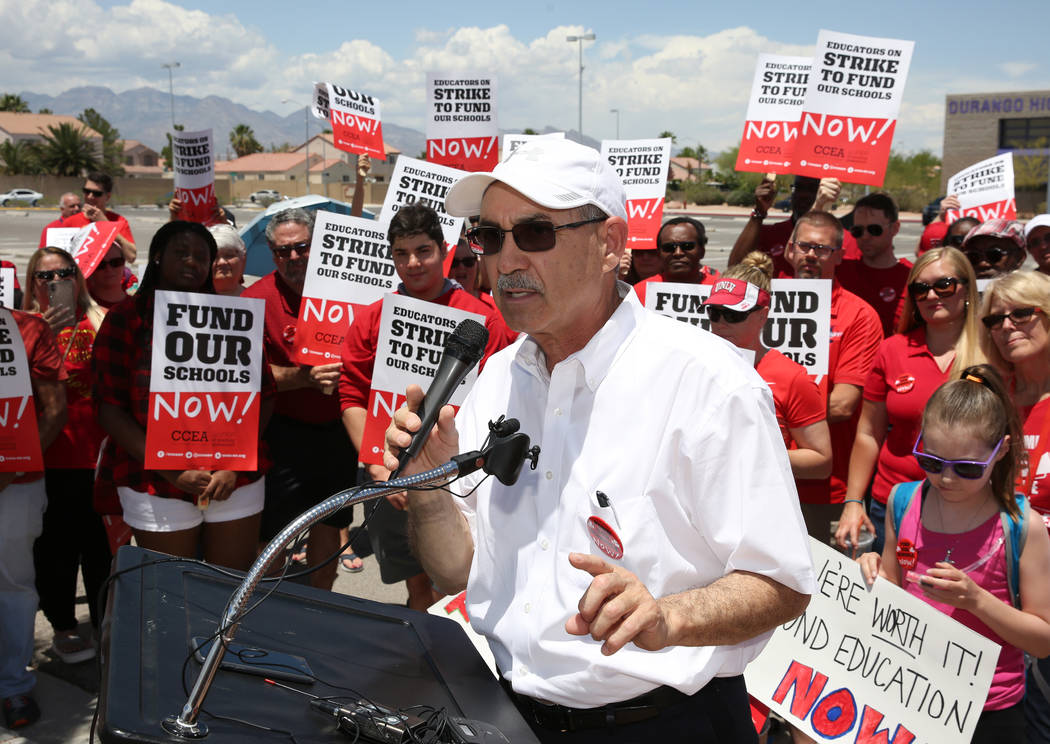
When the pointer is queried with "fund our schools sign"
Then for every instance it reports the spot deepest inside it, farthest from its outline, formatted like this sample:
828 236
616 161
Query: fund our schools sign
985 190
462 129
642 167
771 128
354 117
852 103
419 182
412 335
873 664
349 264
799 324
19 437
205 382
194 160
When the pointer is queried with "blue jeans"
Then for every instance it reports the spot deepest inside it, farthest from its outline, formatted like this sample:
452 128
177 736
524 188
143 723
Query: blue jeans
1036 706
877 513
21 521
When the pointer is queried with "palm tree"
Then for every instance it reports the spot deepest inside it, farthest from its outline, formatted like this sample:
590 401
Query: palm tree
14 103
242 138
112 147
19 158
66 151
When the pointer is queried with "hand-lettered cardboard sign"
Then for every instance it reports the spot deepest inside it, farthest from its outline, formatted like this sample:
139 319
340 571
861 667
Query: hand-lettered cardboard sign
771 128
355 119
985 190
642 166
462 128
205 380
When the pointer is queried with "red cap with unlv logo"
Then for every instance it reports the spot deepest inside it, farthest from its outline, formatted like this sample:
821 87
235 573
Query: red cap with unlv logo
736 294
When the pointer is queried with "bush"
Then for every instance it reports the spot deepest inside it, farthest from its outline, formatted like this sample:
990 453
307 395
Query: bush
741 198
700 194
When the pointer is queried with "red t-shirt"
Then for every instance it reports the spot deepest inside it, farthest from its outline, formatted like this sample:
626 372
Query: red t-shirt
797 401
1037 444
773 239
904 377
78 220
708 275
306 404
78 443
359 349
855 337
43 361
883 289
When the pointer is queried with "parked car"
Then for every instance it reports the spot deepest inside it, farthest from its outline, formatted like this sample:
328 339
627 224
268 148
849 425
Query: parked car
931 210
264 196
784 205
21 195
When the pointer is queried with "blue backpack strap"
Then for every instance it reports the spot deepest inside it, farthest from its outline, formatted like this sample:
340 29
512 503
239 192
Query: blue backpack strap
898 500
1016 534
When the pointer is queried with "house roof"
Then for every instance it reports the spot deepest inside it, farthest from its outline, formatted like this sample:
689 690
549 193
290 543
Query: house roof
130 144
263 162
37 124
326 165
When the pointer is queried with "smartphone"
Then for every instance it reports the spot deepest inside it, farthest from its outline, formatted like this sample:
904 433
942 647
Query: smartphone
60 294
260 661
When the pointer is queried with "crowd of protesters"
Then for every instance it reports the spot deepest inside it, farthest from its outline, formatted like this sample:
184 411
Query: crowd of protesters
916 349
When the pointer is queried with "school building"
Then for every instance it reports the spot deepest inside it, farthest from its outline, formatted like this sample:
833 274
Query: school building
980 125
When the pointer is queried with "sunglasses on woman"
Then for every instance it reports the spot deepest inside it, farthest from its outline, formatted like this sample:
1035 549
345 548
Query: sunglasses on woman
968 469
991 255
1018 317
857 231
719 314
48 276
466 263
946 286
113 263
533 236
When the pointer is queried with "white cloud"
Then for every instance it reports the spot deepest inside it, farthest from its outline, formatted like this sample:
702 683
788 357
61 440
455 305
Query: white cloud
1016 69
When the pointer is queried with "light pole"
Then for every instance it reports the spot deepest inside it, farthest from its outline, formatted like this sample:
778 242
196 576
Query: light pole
617 112
579 41
169 66
307 145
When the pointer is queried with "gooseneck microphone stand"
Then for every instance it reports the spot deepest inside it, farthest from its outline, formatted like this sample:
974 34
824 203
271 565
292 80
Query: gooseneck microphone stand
503 455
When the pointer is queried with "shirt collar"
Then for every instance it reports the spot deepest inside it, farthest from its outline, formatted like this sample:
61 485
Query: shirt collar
447 286
601 351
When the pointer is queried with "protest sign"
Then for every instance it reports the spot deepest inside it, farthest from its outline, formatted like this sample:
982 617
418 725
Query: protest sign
412 335
462 130
355 118
985 190
771 129
873 664
850 113
799 324
455 609
512 142
91 243
19 438
642 167
419 182
61 237
349 264
7 286
205 382
194 161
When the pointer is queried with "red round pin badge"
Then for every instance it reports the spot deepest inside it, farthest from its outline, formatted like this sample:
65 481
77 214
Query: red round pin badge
888 294
904 383
605 537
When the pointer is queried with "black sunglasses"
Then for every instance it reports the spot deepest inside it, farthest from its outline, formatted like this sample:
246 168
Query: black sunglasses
819 249
719 314
466 263
1017 317
93 192
284 251
686 246
532 237
47 276
858 230
992 255
946 286
112 263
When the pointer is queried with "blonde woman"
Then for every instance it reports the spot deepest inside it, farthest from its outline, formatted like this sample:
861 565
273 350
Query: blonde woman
937 332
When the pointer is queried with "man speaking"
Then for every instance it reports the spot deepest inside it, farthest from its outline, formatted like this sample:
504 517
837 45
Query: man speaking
627 581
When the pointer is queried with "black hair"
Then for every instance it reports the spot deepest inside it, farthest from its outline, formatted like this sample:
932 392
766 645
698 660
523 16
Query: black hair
102 179
881 201
416 219
697 225
161 239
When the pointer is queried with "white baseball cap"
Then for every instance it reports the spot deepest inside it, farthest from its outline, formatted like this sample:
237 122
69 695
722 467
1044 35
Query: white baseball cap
1040 220
554 173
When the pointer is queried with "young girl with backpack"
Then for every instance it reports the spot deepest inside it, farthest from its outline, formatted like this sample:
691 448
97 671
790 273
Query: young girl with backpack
963 542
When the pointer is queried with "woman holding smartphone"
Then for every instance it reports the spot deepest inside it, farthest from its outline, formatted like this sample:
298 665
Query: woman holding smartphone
73 535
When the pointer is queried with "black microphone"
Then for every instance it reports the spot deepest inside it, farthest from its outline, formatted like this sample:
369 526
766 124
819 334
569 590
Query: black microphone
463 349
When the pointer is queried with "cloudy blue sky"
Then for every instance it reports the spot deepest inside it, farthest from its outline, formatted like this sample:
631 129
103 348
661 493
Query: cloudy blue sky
665 64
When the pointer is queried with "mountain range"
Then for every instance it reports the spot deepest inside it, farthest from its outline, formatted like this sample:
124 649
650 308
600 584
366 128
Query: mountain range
145 114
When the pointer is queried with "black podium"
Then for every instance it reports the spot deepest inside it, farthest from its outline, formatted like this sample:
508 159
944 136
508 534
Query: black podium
392 656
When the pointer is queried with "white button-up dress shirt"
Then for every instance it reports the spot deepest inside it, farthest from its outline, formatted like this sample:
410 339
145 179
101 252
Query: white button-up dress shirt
679 433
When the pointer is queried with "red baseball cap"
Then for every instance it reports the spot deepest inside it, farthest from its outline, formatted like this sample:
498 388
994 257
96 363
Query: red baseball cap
736 294
933 236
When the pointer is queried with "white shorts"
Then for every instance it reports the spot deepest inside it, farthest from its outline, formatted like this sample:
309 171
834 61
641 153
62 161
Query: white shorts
149 513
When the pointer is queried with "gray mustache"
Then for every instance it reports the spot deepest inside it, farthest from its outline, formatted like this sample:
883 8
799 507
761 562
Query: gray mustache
517 281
